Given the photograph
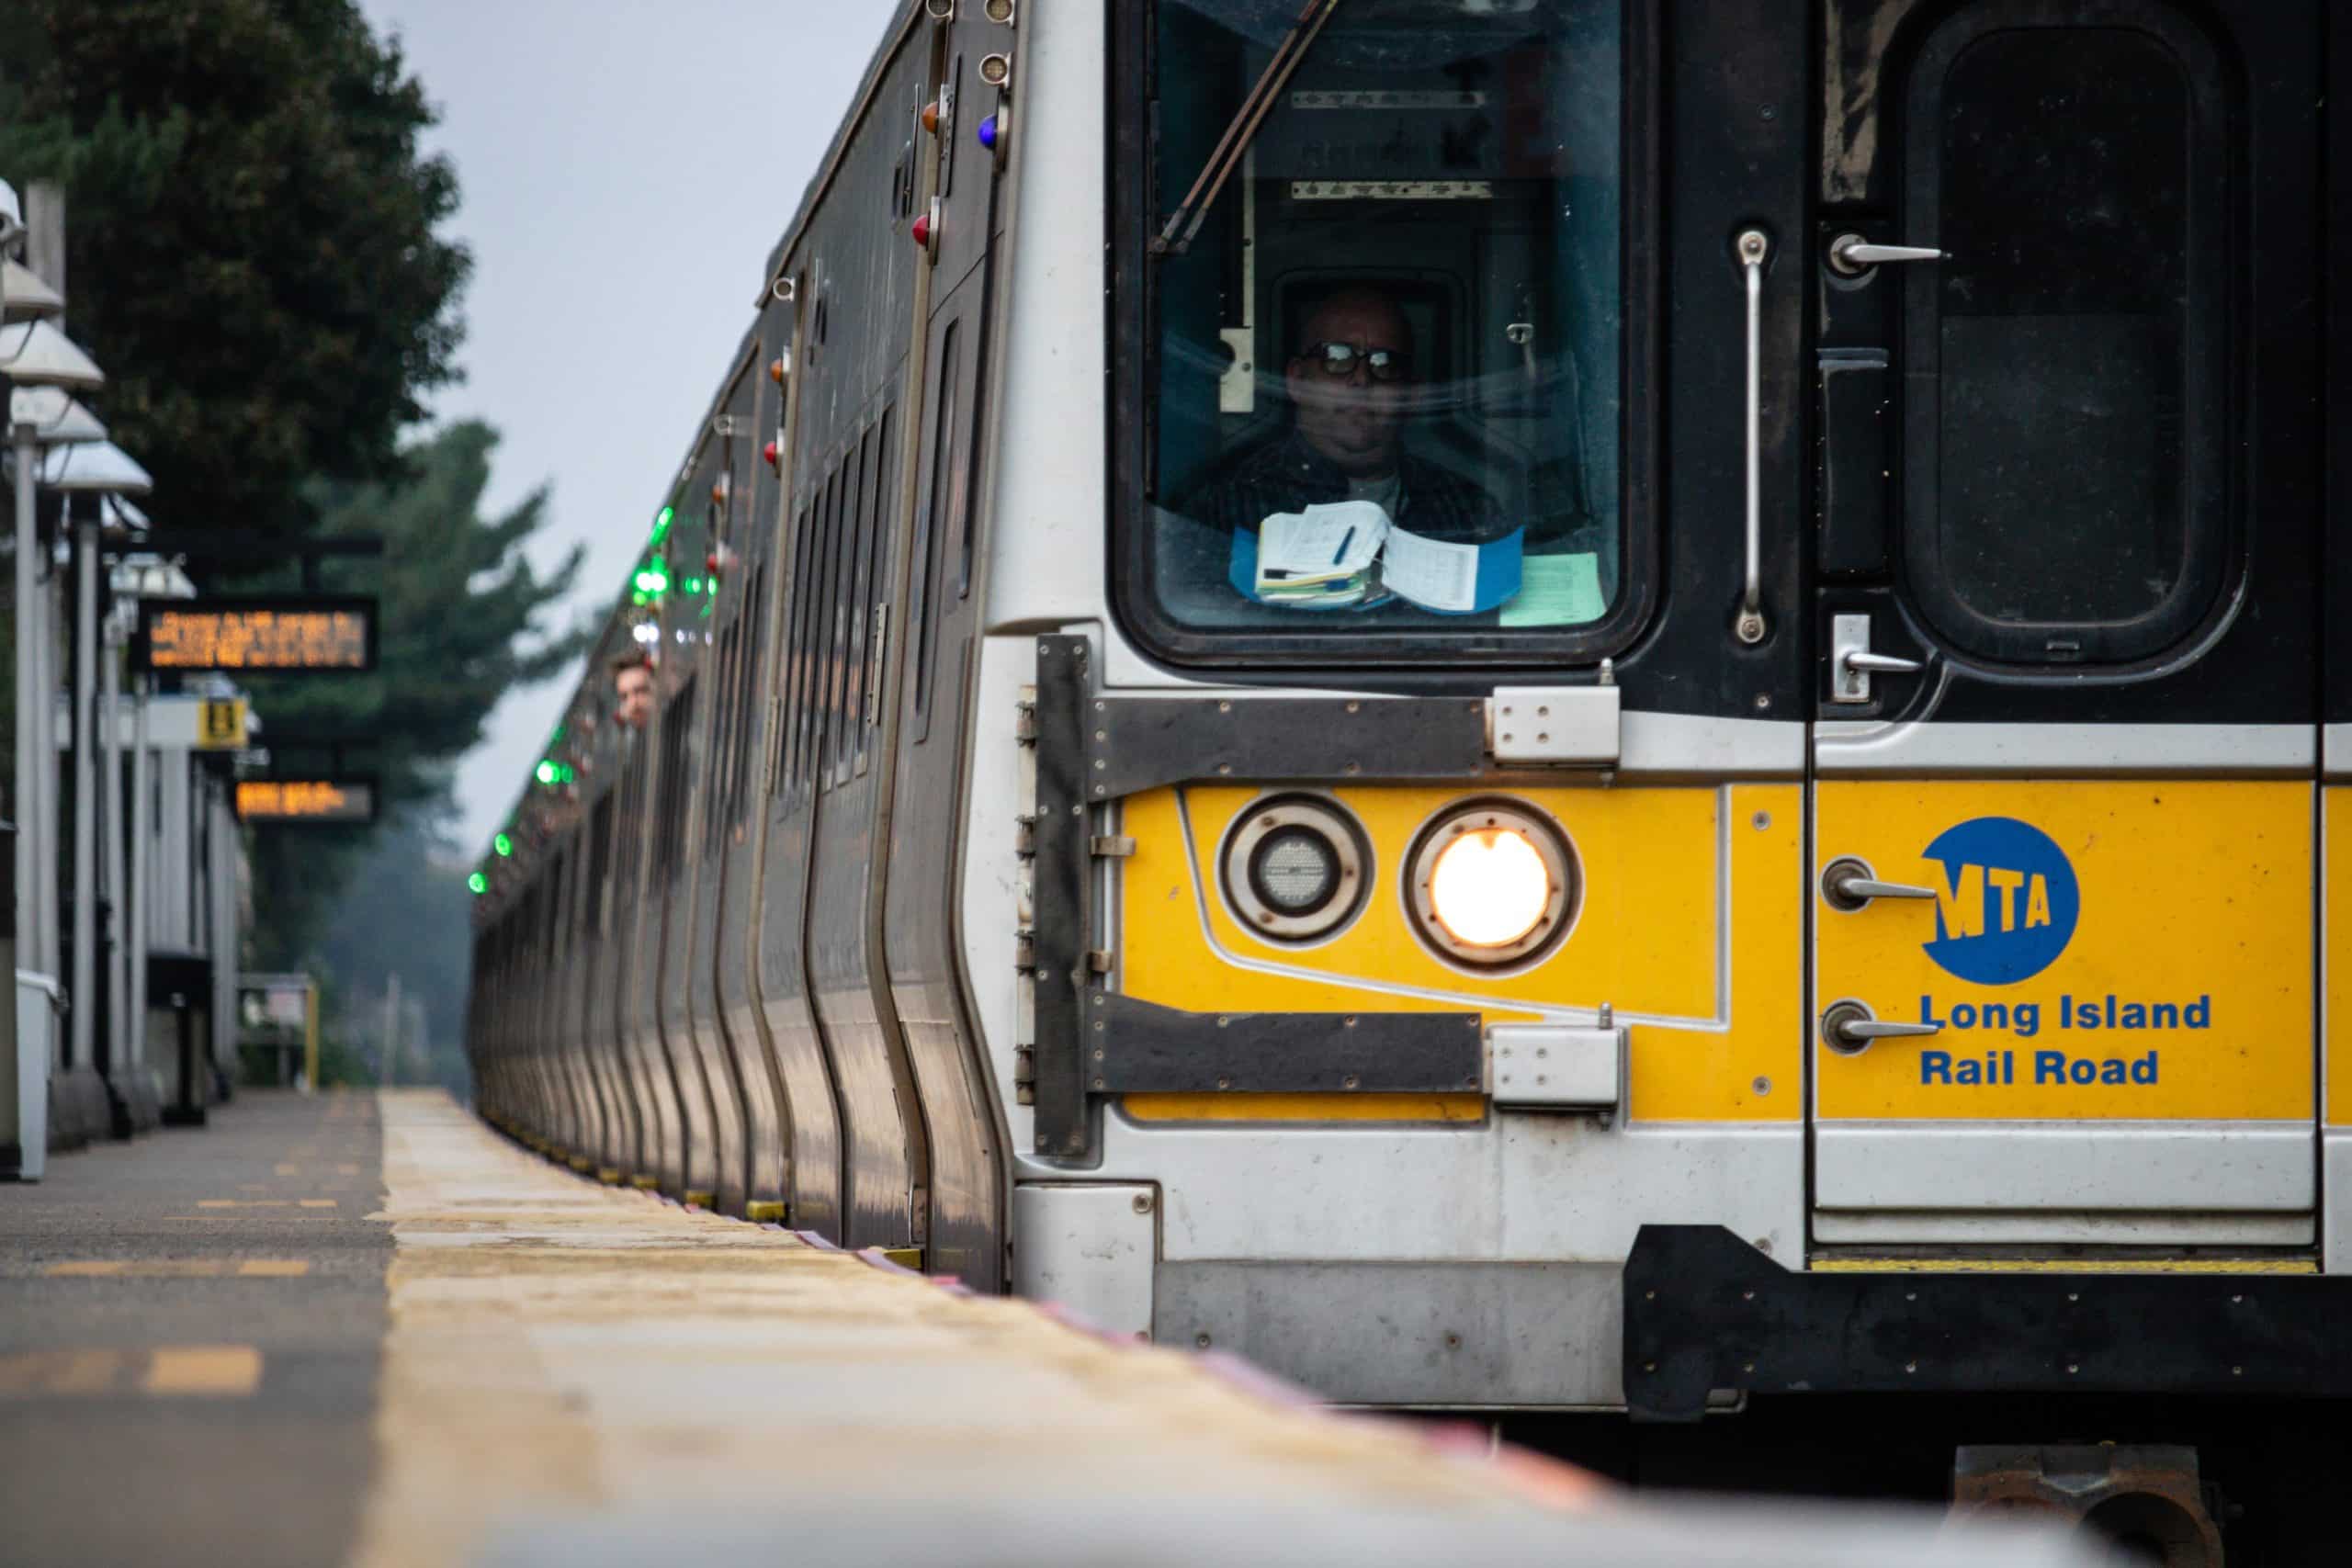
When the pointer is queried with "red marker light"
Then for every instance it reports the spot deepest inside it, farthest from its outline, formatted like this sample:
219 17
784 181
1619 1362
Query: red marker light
768 452
921 232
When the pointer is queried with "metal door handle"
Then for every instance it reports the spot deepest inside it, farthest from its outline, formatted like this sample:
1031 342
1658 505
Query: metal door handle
1754 246
1886 663
1852 255
1852 662
1848 1029
1866 888
1847 884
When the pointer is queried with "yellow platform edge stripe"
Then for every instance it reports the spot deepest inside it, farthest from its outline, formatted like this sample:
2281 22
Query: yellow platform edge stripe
764 1210
1846 1265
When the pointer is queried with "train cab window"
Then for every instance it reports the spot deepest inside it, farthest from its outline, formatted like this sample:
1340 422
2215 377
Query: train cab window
1382 346
2064 449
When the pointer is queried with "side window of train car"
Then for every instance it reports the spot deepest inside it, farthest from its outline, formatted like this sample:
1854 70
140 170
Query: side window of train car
2066 429
857 578
1382 352
812 655
553 934
755 614
839 535
792 658
726 737
931 540
876 599
673 791
600 865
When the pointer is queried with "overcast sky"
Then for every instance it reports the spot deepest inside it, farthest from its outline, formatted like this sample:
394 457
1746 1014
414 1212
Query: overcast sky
626 167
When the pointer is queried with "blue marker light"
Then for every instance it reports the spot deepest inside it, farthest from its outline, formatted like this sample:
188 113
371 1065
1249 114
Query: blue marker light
987 133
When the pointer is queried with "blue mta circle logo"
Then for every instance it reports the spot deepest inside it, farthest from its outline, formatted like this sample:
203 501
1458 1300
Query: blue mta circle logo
2007 903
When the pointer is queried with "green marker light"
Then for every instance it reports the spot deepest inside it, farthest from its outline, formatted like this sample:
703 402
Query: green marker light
479 882
545 773
503 844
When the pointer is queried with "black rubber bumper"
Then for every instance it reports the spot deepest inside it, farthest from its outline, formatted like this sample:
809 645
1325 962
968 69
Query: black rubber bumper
1705 1311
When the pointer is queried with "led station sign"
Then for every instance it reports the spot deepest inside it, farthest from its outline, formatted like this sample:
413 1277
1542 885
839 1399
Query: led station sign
306 633
306 801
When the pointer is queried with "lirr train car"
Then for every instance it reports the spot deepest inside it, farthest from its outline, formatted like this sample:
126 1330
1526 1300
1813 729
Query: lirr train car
1524 706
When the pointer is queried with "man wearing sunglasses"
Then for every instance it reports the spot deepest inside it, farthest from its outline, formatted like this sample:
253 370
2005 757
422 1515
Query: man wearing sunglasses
1351 387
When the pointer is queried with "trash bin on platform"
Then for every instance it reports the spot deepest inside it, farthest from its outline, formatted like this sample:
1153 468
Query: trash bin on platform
179 1032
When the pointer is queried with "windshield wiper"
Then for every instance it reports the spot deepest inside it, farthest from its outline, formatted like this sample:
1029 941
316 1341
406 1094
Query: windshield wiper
1185 221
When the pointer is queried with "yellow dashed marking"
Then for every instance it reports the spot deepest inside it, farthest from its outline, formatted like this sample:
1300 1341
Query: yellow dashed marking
31 1372
213 1370
179 1269
203 1369
319 1203
85 1372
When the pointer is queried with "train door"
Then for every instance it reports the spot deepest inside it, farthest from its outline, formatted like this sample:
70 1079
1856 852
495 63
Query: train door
923 708
853 383
2336 689
2065 749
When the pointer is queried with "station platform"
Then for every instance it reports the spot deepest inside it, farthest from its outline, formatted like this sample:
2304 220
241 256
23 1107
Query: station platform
368 1328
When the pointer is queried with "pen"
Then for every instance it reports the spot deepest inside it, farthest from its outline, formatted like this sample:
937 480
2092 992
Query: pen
1345 540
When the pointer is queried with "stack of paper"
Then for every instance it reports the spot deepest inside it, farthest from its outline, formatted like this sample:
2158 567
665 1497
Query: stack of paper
1320 555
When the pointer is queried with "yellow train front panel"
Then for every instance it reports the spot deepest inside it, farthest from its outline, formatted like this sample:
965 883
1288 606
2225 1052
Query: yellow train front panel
1689 929
2096 951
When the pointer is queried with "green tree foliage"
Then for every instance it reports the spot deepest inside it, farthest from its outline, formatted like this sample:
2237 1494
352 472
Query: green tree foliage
462 619
251 251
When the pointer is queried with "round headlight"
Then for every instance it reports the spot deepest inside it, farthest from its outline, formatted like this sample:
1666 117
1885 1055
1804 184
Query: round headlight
1491 884
1294 868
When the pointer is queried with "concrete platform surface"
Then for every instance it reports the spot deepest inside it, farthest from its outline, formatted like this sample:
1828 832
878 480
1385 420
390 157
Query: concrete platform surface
189 1331
368 1330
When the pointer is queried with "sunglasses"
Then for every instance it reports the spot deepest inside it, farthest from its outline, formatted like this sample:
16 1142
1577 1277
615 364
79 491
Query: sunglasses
1339 360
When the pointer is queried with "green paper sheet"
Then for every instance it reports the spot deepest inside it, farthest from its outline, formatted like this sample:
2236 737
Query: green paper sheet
1556 591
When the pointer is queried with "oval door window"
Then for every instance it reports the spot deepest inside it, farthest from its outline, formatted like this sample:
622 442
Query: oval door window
2065 488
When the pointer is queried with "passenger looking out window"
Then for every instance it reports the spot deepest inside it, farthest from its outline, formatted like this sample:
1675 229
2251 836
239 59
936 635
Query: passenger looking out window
633 691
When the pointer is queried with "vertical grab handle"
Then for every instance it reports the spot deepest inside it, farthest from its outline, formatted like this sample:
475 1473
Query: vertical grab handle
1753 247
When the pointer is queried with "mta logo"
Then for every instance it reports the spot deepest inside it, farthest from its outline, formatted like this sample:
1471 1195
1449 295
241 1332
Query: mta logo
2005 904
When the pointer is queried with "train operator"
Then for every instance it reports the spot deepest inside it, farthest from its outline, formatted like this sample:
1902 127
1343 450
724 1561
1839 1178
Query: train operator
1350 387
